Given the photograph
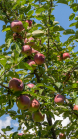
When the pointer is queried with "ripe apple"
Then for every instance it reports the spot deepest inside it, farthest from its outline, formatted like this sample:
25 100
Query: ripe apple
16 84
23 102
32 64
29 22
75 107
26 49
34 105
34 51
17 36
59 99
17 26
66 55
39 58
59 58
30 85
62 136
37 116
30 41
20 134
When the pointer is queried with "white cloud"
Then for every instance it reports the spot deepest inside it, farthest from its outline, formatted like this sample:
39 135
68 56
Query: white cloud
4 123
7 122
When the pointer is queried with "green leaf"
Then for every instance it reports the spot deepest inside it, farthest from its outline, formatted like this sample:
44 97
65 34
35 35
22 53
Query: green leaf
74 94
58 84
6 29
71 17
72 24
69 31
76 101
8 128
37 33
39 10
58 28
62 1
76 18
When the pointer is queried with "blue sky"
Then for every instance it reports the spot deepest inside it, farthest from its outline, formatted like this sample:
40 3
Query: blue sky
61 14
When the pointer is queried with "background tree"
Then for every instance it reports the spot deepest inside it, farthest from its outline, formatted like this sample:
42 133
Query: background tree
55 72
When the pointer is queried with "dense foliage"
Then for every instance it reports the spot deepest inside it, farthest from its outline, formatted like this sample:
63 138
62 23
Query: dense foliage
57 75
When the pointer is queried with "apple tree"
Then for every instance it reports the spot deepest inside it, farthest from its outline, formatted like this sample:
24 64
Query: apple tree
38 72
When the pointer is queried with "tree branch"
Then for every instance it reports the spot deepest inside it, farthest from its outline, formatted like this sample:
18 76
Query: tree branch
4 86
52 129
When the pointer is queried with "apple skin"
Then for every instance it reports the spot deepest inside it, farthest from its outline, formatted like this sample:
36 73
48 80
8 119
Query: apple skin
16 84
75 107
23 102
34 105
59 99
62 136
32 64
26 49
39 58
59 58
17 26
20 134
29 41
29 22
37 116
34 51
63 57
66 55
30 85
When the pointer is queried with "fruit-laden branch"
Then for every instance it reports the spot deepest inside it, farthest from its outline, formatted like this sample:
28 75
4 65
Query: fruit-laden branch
71 106
49 119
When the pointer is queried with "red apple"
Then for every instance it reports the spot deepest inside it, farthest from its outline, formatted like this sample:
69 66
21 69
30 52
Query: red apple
66 55
17 26
26 49
37 116
30 85
34 51
30 41
34 105
77 82
75 107
59 58
29 22
23 102
17 36
59 99
16 84
20 134
62 136
39 58
32 64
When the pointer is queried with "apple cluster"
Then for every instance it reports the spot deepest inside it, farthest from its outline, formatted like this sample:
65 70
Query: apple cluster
23 101
27 49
